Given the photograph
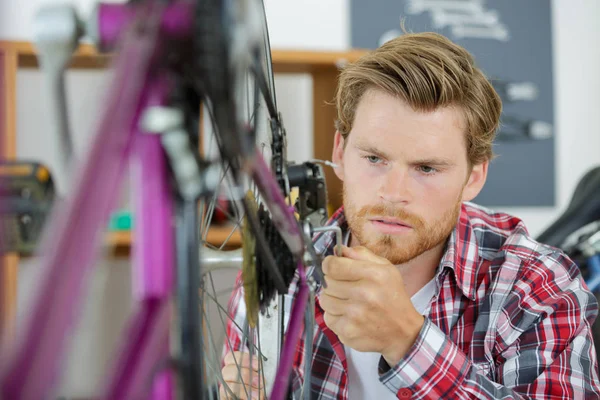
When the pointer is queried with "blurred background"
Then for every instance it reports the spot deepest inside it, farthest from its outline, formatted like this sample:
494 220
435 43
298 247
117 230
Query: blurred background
547 50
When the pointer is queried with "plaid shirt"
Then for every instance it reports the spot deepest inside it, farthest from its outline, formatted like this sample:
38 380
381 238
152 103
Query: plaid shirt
510 319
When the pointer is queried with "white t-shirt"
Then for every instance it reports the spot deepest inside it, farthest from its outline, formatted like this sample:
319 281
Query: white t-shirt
363 368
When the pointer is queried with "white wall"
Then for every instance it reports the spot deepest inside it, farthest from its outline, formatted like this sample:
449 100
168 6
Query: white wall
293 25
309 24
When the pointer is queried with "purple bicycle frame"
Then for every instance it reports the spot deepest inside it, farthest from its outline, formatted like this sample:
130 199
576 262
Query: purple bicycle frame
69 247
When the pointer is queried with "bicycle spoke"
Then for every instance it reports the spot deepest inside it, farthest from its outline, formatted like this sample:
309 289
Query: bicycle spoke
216 358
210 212
225 212
209 245
261 381
230 234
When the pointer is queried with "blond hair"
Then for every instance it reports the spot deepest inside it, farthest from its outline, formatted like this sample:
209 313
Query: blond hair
428 71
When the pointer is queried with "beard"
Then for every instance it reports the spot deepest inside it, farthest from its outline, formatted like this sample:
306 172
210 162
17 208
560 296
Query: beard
402 248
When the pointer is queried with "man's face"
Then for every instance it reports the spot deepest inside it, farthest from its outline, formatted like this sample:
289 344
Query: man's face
405 176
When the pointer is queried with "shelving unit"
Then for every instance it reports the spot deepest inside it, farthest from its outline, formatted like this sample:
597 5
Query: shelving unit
322 66
217 234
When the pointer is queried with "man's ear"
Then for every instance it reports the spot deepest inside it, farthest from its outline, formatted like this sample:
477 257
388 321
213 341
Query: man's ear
338 154
476 181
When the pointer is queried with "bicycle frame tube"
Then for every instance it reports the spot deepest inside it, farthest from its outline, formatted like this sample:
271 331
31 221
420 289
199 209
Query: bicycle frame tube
132 376
153 250
154 253
147 339
282 378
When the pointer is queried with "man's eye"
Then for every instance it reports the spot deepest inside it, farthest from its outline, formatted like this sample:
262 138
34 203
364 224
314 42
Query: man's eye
373 159
426 169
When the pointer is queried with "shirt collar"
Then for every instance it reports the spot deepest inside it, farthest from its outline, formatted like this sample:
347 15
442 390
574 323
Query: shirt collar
462 255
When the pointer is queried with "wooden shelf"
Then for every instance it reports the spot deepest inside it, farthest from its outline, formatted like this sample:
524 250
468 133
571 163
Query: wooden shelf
216 236
311 61
119 243
291 61
86 56
322 66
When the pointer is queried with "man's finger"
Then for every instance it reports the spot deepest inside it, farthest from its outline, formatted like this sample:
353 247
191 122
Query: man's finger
342 269
340 289
360 253
332 321
251 379
332 305
236 392
241 358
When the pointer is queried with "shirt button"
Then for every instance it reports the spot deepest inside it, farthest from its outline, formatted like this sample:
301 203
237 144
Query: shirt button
404 393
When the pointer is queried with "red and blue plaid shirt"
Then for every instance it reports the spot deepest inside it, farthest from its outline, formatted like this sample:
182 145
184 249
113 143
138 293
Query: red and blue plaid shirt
510 319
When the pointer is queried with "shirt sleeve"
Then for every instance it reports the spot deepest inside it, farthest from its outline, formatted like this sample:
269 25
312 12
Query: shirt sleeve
550 354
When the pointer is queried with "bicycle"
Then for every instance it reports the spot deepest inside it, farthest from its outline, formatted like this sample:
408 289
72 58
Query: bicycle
577 232
151 119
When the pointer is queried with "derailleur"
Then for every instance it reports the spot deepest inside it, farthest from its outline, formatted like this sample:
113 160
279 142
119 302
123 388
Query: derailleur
311 203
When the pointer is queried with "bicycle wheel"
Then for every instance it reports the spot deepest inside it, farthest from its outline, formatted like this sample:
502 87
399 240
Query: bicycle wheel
251 93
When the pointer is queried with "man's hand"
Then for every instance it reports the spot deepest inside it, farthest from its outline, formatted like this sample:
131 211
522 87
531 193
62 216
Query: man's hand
238 380
367 306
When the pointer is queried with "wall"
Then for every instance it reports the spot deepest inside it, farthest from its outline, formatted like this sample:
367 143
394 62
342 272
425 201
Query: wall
576 81
294 25
576 62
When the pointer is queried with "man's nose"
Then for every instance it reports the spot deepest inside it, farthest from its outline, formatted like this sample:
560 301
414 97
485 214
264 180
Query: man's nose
395 186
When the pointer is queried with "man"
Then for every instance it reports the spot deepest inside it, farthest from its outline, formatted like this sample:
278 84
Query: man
435 297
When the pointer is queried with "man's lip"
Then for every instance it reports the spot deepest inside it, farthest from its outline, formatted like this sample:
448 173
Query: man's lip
390 221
